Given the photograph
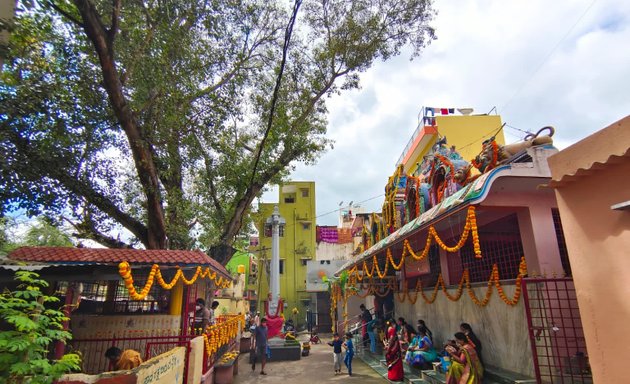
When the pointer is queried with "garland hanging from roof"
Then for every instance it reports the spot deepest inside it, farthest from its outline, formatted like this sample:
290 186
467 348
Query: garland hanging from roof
470 229
124 269
494 281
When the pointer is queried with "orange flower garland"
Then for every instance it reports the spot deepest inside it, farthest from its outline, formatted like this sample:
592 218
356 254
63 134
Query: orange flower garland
494 280
124 270
470 228
220 334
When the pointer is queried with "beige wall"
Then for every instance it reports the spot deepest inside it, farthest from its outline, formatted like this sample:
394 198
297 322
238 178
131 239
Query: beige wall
119 326
195 360
502 329
167 368
598 241
95 326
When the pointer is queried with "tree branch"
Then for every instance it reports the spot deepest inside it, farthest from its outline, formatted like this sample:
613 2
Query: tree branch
213 191
140 148
111 34
88 231
285 49
65 14
54 167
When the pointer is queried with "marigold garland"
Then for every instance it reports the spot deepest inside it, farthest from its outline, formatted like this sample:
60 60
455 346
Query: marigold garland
493 281
493 162
124 270
470 228
220 334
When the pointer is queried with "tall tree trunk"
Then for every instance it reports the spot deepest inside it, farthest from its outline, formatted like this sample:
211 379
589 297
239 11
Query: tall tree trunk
142 153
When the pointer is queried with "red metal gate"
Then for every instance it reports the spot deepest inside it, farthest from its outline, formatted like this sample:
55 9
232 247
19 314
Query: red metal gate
555 331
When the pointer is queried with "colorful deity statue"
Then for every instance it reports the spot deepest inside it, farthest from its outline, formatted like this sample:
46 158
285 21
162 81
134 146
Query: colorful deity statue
493 154
441 173
441 178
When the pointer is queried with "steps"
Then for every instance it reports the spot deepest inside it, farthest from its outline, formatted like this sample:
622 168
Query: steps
491 376
415 376
377 363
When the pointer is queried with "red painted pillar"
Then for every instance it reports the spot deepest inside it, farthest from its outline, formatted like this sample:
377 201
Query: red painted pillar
60 347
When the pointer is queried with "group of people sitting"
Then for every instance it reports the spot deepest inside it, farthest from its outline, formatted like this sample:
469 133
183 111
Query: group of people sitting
415 346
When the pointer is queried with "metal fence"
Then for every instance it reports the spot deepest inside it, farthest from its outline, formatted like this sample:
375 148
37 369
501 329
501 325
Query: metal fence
93 350
555 331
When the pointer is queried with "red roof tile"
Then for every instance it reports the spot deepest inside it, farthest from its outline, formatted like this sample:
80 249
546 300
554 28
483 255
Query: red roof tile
109 255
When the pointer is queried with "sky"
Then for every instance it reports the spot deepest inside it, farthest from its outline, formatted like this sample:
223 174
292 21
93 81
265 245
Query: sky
559 63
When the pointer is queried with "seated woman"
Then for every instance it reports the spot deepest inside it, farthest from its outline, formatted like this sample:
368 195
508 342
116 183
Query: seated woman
421 351
466 329
422 324
406 333
465 365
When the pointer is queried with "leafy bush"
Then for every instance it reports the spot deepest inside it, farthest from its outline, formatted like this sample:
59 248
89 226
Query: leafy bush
31 329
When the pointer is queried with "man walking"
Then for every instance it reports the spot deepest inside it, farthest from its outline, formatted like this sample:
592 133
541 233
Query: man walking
260 345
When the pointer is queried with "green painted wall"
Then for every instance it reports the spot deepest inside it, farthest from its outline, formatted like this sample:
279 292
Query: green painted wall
297 207
239 258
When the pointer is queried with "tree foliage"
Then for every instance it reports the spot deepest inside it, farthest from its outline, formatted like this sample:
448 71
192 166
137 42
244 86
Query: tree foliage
167 118
40 232
32 328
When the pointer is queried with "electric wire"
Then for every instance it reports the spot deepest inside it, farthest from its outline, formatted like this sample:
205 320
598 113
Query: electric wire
547 57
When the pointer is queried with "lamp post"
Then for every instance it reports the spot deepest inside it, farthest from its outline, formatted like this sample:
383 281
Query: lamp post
277 228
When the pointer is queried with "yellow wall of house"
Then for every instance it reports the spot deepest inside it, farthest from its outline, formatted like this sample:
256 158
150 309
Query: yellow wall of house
466 133
296 246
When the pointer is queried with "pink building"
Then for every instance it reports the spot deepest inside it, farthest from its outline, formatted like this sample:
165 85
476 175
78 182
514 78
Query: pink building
510 279
592 185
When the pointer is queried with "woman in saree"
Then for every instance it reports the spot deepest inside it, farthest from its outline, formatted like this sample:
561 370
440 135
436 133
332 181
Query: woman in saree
465 365
421 351
466 329
393 356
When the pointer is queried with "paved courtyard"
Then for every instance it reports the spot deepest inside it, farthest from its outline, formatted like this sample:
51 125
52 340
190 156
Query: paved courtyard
317 366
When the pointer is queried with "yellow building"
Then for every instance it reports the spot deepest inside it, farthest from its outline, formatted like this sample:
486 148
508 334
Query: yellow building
464 131
297 245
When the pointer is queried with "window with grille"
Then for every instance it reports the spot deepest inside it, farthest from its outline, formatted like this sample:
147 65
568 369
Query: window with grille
500 243
96 300
429 280
562 244
155 302
304 192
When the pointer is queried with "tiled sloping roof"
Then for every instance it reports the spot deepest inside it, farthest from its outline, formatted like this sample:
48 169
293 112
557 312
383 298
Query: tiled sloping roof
108 255
609 145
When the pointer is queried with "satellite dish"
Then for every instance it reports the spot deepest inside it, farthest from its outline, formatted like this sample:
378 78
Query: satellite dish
341 203
350 203
465 111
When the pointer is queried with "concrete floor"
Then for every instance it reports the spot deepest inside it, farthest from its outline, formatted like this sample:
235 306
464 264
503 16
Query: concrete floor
318 366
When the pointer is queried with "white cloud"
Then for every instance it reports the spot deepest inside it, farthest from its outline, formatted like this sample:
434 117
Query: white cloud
539 62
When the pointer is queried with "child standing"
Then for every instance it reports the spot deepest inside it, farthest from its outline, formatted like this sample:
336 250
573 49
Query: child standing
349 352
336 344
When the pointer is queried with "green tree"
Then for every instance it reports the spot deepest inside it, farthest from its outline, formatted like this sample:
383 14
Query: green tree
32 328
40 232
167 118
7 243
43 233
